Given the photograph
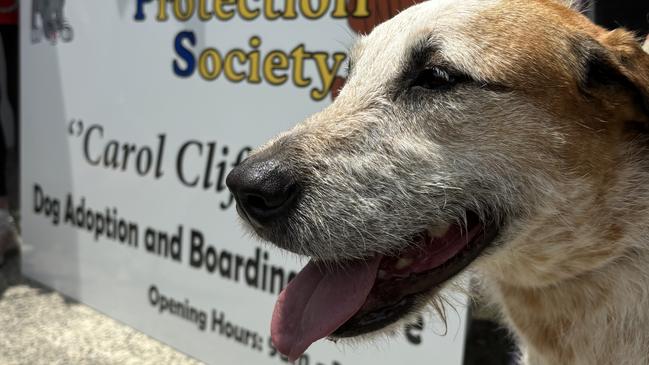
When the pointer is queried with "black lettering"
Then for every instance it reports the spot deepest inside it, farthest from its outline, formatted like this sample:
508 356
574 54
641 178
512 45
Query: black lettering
86 144
413 331
180 159
196 245
252 270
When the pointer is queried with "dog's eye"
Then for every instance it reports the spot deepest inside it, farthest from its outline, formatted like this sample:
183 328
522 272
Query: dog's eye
434 78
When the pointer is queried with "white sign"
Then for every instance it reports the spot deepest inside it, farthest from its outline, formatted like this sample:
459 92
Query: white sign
133 114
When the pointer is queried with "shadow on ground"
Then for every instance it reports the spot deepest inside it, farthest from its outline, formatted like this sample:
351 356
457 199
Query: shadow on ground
10 276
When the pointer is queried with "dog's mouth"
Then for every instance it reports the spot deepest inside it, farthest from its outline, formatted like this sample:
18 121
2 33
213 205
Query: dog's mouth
353 298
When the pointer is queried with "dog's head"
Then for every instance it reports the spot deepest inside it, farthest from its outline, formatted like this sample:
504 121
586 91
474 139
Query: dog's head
493 132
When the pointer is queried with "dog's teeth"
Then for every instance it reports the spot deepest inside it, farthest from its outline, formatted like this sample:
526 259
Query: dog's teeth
439 231
381 274
402 263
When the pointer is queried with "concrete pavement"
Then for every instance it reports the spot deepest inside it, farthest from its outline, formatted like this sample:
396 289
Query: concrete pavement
40 326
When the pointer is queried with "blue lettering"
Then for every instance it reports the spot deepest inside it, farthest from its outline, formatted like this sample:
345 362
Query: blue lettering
184 54
139 12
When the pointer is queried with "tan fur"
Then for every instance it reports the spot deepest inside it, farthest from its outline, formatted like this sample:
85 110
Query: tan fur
574 283
553 153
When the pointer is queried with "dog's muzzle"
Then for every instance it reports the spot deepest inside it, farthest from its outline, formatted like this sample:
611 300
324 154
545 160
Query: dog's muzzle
264 190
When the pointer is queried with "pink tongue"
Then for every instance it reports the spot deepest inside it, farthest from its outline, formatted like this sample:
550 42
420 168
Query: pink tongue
316 303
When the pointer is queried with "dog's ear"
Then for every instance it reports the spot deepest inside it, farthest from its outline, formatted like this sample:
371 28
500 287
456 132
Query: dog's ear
616 72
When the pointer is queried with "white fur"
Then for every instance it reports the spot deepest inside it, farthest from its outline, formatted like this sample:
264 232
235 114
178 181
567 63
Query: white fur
527 144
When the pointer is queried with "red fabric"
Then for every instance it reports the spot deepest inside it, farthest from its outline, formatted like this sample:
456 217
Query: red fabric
8 17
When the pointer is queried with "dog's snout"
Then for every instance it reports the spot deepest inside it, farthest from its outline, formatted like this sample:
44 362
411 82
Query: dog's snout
264 190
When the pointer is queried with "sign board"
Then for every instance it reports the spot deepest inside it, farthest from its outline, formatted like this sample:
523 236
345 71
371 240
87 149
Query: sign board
133 114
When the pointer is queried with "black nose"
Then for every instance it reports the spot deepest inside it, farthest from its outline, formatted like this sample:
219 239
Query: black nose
264 190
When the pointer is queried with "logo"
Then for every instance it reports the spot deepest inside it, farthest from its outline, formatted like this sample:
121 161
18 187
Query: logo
252 63
49 22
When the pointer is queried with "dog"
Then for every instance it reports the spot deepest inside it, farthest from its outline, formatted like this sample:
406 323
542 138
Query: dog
505 139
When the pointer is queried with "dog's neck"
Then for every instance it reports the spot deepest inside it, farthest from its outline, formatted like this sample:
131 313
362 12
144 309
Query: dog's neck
588 310
593 319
